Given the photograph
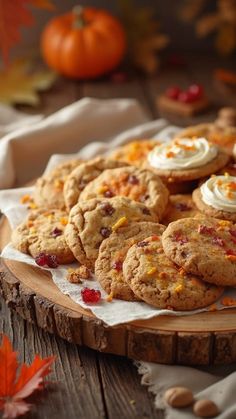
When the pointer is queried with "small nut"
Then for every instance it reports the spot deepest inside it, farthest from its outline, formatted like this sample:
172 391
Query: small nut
178 396
205 408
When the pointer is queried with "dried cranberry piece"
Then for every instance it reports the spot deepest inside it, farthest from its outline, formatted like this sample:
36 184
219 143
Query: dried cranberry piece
44 259
178 237
143 198
133 180
117 265
146 211
181 206
105 232
90 295
142 244
108 194
56 232
230 252
107 208
217 240
203 229
173 92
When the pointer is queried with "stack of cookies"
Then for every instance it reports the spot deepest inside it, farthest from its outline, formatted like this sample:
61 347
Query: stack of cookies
116 217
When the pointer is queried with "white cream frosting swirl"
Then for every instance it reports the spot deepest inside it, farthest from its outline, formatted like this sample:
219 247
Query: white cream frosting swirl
182 154
220 193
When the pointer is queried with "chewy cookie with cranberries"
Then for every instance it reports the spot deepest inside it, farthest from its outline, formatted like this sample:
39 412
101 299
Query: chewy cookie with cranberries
82 175
92 221
204 247
154 278
216 197
112 253
43 233
48 192
139 185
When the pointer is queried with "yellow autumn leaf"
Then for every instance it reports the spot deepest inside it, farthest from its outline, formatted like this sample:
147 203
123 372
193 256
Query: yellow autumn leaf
19 84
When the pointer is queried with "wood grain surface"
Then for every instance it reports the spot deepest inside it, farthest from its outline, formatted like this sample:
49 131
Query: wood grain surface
89 383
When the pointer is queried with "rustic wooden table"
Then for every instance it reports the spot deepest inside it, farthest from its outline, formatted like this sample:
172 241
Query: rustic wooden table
89 384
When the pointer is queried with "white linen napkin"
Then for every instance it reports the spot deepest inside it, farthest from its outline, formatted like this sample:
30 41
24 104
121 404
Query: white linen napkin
23 155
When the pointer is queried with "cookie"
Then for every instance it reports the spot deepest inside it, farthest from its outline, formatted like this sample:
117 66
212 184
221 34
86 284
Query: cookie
205 247
82 175
90 222
216 197
48 190
135 152
159 282
223 136
186 159
179 206
43 232
139 185
112 252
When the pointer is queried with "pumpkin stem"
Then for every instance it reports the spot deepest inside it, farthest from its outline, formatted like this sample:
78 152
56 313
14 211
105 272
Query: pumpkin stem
79 21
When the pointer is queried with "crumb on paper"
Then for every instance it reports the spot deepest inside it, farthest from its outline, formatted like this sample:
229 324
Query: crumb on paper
76 276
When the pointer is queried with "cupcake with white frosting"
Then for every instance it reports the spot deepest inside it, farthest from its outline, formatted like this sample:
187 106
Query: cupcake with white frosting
216 197
184 160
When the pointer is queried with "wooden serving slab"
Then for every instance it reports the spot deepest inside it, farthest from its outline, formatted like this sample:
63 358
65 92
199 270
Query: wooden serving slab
200 339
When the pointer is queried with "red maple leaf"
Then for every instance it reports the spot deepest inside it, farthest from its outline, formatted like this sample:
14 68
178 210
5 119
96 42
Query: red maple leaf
16 383
13 15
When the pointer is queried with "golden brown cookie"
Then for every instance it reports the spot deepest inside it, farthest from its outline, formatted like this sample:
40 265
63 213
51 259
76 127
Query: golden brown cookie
43 232
48 190
83 174
90 222
204 247
137 184
159 282
112 252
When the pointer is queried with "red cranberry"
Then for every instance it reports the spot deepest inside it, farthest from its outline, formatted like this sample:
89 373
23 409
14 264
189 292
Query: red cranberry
105 232
181 206
185 97
56 232
230 252
133 180
142 244
178 237
220 242
203 229
90 295
232 232
196 90
173 92
107 208
108 194
117 265
44 259
146 211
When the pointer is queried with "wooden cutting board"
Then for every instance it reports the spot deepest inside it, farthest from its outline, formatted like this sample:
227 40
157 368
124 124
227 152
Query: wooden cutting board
200 339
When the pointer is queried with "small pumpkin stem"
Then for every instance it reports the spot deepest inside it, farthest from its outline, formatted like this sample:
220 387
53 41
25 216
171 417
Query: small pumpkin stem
79 21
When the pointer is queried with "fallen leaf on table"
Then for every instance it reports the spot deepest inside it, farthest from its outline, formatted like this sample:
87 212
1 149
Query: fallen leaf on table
19 84
18 382
13 15
144 38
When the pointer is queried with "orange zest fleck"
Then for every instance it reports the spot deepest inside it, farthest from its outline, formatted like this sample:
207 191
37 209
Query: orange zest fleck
152 271
228 301
25 198
122 221
232 258
64 221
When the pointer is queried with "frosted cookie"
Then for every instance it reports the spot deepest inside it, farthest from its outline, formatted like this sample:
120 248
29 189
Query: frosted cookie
159 282
48 190
204 247
179 206
90 222
43 232
112 253
135 152
82 175
140 185
186 159
217 197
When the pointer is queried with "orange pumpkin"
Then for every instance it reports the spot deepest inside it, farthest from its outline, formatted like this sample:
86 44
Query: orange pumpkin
84 43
